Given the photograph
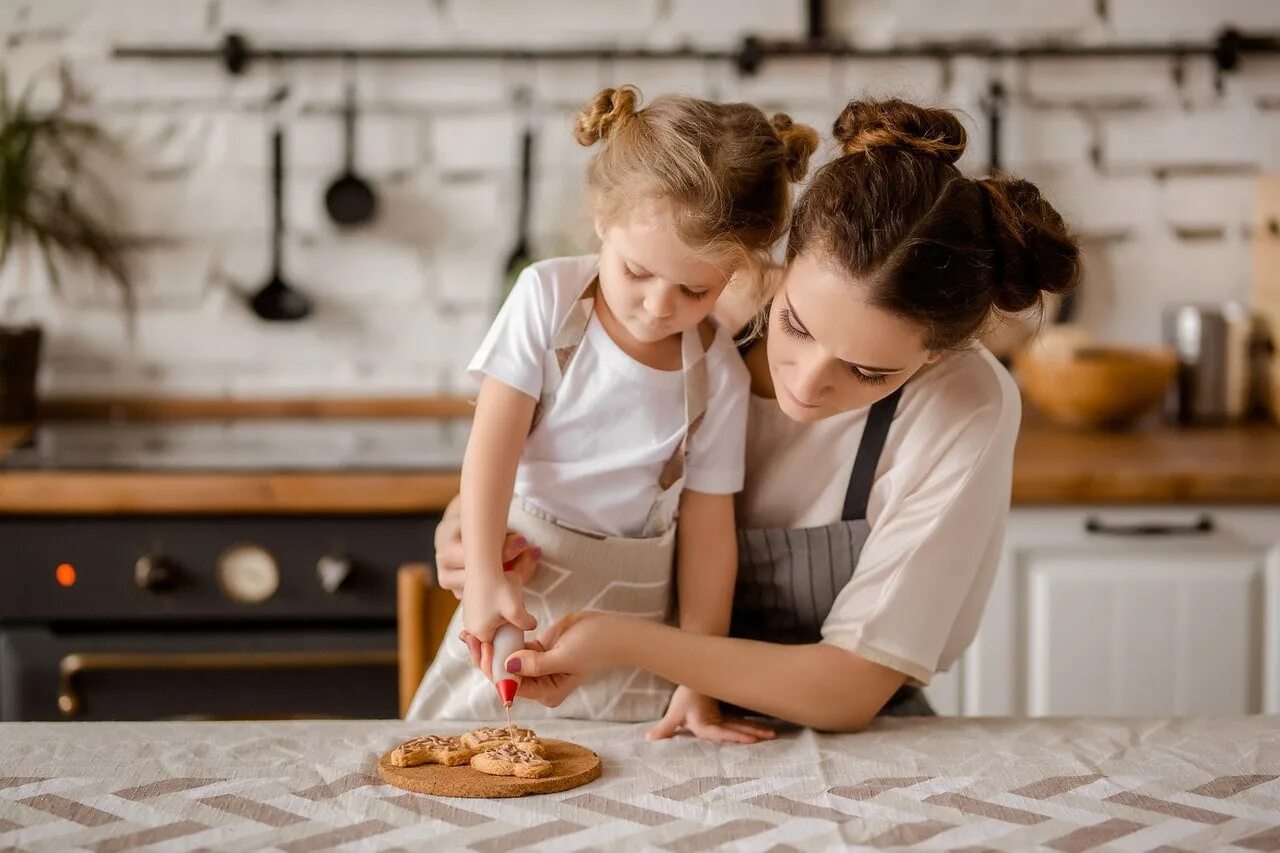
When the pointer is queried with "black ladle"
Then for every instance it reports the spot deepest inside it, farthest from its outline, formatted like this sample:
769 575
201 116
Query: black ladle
521 255
350 199
277 300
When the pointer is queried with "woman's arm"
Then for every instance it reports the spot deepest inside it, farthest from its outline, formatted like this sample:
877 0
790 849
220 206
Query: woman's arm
451 557
498 432
815 685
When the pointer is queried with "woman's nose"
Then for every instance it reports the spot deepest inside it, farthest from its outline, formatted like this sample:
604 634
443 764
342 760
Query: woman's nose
659 302
811 379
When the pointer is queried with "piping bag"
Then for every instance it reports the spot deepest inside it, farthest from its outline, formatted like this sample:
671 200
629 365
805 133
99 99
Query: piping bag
507 640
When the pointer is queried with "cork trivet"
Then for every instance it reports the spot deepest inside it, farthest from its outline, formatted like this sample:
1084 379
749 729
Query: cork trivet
574 765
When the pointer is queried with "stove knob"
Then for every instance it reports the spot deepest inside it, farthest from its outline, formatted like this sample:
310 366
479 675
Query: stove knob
156 573
334 570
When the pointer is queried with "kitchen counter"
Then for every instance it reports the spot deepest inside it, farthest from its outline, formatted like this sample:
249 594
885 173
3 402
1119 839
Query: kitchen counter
77 490
1066 784
1151 464
1154 464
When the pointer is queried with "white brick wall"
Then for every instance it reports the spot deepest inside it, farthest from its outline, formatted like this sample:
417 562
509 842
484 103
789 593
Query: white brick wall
1157 176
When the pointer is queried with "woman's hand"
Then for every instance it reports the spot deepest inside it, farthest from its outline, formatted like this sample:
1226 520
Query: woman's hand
566 654
701 717
451 559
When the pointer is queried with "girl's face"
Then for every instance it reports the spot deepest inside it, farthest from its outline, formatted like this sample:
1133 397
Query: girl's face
654 284
829 350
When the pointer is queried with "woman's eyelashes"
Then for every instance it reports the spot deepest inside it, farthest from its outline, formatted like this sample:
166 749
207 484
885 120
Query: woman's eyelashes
790 328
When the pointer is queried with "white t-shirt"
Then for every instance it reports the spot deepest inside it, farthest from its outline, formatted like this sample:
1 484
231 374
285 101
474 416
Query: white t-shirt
595 458
937 509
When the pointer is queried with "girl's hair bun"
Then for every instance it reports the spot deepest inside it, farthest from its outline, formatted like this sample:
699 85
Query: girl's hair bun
798 140
606 112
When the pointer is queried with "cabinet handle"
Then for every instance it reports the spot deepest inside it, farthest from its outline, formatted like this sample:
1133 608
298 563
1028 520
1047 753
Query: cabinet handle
1202 526
70 703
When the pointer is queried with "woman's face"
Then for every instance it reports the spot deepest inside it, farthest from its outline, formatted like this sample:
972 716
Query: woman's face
829 350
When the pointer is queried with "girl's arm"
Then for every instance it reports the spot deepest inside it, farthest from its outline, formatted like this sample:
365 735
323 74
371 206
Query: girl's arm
707 566
706 562
501 424
815 685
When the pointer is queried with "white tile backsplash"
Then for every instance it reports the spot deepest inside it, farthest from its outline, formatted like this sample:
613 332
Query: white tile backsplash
1156 175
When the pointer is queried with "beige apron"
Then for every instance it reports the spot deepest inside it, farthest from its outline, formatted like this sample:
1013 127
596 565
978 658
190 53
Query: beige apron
580 570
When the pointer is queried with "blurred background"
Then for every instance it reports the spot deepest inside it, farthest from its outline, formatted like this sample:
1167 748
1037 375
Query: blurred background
281 227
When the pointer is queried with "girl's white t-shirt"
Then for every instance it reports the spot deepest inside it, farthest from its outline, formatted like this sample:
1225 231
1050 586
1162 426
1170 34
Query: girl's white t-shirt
594 460
937 509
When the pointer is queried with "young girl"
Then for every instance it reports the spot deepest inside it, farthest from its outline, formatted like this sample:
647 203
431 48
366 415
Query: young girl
609 402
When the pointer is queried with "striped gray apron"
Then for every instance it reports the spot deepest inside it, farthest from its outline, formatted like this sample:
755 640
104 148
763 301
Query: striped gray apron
788 578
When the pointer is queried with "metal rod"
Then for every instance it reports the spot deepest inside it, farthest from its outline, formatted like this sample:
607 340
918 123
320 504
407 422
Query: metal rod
1225 49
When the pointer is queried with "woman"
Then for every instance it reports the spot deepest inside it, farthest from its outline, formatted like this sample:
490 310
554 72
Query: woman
879 450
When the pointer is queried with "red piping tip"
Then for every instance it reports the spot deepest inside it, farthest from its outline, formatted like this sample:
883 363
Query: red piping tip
507 688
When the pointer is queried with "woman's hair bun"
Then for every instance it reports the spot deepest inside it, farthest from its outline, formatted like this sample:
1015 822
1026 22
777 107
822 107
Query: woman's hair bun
867 125
1037 253
798 140
605 113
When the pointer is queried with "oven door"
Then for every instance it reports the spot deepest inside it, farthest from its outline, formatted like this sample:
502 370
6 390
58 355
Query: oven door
241 674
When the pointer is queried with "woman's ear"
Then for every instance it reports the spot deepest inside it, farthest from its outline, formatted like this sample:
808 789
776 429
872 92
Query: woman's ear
599 226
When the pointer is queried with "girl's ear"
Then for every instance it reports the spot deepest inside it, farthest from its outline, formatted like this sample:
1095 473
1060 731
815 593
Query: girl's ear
934 357
599 226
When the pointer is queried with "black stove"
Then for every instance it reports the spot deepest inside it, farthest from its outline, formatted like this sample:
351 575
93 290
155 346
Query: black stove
211 616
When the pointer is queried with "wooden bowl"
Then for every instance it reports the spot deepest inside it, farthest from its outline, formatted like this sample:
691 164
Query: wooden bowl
1096 387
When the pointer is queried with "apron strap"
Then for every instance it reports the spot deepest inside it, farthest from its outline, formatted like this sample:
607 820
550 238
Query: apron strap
565 345
671 481
870 447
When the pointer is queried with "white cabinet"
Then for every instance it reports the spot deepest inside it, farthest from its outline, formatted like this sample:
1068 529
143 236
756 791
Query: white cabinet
1134 611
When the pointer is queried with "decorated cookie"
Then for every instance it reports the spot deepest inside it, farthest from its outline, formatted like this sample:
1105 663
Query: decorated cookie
512 760
487 738
432 749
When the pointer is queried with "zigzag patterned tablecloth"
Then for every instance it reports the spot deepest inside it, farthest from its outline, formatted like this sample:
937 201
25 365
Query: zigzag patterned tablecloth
1060 785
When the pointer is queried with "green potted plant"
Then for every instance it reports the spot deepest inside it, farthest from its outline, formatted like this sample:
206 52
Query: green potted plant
52 207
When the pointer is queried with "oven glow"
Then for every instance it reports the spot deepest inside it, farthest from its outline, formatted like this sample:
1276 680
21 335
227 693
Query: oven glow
65 574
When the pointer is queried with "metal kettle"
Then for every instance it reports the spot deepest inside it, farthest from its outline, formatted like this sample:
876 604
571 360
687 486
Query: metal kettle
1218 353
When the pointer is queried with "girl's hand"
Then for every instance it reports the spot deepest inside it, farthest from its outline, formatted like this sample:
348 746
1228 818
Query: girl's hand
701 717
490 600
566 654
451 560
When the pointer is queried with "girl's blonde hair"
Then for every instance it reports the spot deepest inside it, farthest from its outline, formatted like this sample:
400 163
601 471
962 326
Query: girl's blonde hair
726 168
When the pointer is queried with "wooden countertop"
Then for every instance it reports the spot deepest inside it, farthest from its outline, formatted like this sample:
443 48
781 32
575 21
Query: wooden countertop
1155 464
1152 464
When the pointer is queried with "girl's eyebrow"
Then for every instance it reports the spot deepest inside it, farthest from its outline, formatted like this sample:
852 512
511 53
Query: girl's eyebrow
887 371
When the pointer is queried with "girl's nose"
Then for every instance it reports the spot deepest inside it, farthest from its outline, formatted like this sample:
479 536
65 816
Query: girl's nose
659 302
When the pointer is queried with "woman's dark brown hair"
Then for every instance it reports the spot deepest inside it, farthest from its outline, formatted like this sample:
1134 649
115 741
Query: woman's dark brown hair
934 247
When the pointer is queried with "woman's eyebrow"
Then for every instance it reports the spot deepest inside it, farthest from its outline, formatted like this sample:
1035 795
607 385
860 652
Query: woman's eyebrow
887 371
